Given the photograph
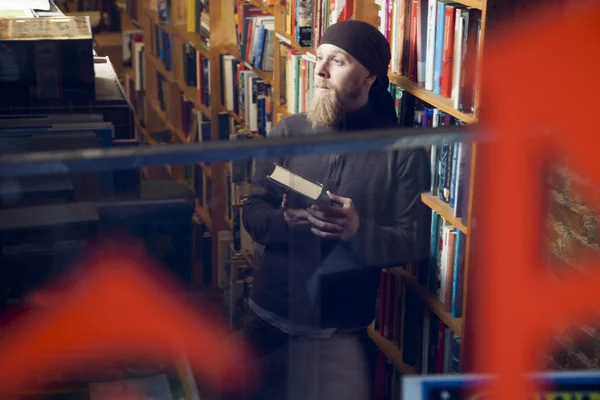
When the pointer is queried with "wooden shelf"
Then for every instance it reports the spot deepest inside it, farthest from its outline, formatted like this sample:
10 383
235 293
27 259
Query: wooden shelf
239 120
287 39
472 3
282 109
127 23
444 209
264 7
204 215
154 18
432 302
158 65
181 32
393 353
441 102
129 71
233 115
206 169
264 75
164 118
193 94
191 37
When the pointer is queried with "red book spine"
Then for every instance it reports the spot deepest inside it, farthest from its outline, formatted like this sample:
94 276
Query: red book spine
448 52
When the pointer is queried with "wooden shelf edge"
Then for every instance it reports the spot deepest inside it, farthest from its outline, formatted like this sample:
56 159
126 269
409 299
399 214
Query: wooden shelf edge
393 353
264 7
153 15
444 209
235 51
233 115
204 215
193 94
158 65
281 108
479 4
432 302
127 23
162 115
191 37
287 39
129 71
206 169
441 102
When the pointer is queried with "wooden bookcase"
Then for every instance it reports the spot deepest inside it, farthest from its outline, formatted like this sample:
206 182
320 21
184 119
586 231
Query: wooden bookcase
223 39
457 325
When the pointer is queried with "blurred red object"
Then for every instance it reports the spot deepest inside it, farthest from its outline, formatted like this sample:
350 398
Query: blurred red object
117 306
534 89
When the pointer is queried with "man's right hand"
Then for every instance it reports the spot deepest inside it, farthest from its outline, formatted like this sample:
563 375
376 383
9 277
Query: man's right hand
295 217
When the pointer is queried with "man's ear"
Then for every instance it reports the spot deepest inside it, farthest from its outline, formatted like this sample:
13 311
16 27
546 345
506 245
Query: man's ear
369 79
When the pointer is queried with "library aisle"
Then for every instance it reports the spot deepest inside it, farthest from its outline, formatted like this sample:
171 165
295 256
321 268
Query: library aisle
162 76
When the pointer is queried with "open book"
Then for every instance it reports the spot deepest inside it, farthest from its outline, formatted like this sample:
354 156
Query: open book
290 181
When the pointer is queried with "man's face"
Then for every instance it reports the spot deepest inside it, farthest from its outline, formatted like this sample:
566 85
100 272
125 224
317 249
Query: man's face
341 73
341 84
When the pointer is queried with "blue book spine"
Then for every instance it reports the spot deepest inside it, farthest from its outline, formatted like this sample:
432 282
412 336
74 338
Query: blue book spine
433 251
456 299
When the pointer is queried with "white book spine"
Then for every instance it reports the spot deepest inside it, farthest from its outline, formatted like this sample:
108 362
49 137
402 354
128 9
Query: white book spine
457 58
430 55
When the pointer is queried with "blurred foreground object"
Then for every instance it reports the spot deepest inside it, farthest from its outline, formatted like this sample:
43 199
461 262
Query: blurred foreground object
116 306
518 305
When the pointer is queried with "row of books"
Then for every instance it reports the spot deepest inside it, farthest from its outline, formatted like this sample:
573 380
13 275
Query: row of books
237 281
450 162
196 72
306 21
446 264
436 44
297 80
193 14
256 35
135 84
162 46
425 341
246 95
198 17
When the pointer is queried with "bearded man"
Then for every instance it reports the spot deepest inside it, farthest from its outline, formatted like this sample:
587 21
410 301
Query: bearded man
315 290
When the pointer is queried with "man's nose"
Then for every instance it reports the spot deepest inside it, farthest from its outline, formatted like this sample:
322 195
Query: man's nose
321 70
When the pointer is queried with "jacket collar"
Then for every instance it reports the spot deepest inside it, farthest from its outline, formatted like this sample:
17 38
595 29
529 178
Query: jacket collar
364 117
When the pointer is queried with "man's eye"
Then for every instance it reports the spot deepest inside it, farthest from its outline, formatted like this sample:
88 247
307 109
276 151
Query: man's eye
337 61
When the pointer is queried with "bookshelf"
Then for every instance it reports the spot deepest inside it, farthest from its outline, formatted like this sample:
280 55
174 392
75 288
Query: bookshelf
410 279
225 52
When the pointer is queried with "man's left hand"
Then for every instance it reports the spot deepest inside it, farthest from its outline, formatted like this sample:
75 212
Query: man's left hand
332 222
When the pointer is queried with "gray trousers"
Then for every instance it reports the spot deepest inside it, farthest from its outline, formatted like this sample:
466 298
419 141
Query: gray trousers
299 368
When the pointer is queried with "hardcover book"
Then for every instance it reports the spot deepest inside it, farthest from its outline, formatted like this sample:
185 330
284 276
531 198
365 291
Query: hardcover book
293 182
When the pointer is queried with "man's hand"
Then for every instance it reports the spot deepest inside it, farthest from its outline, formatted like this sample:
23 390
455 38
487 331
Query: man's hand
295 218
332 222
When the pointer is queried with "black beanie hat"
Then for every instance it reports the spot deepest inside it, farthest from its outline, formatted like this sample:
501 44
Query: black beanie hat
368 46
